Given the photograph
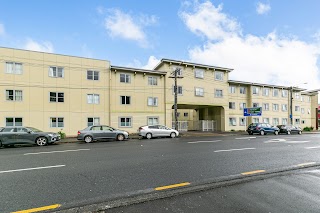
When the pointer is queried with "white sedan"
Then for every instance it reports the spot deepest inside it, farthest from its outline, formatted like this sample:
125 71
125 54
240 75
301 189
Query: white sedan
157 131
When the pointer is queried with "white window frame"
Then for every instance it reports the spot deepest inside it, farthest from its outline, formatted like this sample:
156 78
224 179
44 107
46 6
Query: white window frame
128 124
297 121
152 101
265 91
302 110
127 78
297 95
218 75
125 100
95 98
179 90
242 90
15 94
152 81
242 121
198 91
296 108
185 114
233 105
255 90
275 107
95 121
242 105
232 89
153 120
14 69
93 75
56 97
284 121
284 93
232 121
275 92
180 72
56 74
255 104
56 123
266 106
284 107
275 121
14 121
198 73
218 93
266 120
255 120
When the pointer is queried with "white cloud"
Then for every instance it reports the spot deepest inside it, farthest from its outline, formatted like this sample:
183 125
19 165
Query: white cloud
44 46
151 63
262 8
267 59
2 30
123 25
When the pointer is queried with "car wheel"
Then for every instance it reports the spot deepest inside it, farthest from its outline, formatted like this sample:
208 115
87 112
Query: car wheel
276 132
42 141
173 135
299 132
120 137
0 144
262 132
250 133
148 135
88 139
288 132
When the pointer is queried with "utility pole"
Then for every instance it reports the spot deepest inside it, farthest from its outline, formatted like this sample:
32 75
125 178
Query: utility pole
291 101
175 90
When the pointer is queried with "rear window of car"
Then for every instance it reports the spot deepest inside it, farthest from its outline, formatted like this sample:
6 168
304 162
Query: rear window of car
8 130
153 127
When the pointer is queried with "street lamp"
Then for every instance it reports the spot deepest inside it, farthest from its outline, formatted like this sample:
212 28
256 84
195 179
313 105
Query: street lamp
291 102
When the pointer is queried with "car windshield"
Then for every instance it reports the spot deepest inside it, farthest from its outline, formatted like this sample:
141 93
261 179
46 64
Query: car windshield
34 129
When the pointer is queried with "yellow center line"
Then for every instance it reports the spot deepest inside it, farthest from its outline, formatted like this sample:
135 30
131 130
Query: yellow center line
306 164
171 186
253 172
43 208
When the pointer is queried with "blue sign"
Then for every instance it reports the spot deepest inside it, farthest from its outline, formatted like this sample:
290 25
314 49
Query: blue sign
290 116
254 111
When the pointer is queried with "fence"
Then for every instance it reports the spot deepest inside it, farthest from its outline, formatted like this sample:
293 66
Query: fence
202 125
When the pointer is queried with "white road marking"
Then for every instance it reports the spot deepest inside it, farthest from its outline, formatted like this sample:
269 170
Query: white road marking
284 141
204 141
314 147
38 153
230 150
297 141
36 168
243 138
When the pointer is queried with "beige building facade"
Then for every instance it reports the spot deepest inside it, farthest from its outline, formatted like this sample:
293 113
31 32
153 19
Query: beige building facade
55 92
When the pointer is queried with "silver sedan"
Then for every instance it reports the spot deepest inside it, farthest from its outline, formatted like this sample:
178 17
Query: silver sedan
157 131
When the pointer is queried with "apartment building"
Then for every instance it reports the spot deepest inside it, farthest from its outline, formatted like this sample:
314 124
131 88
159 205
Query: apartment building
56 92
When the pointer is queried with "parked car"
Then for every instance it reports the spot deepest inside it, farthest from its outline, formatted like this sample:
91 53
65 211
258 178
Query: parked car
157 131
101 132
289 129
262 129
26 135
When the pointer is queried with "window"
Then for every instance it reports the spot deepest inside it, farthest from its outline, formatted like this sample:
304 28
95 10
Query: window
284 121
218 93
56 97
218 75
56 72
275 107
232 105
232 89
302 98
265 91
153 81
125 121
255 120
303 121
56 122
297 108
242 105
242 90
242 121
125 78
309 99
185 114
198 73
284 107
199 91
179 90
255 90
275 121
14 68
178 114
93 98
297 120
14 95
232 122
265 107
302 110
265 120
284 93
13 121
153 120
297 95
126 100
178 70
255 104
275 92
93 121
152 101
92 75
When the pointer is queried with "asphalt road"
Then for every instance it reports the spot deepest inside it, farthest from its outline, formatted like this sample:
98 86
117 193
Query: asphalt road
77 174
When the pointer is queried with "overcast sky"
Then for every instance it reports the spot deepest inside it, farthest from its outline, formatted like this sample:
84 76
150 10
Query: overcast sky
276 42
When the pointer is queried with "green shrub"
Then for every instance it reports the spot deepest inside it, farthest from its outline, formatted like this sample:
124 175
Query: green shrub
62 134
308 129
311 128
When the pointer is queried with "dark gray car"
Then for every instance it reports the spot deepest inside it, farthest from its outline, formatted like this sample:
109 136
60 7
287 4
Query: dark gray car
101 132
26 135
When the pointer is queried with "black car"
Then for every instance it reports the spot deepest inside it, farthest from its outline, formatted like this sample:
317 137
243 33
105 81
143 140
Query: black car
289 129
262 129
